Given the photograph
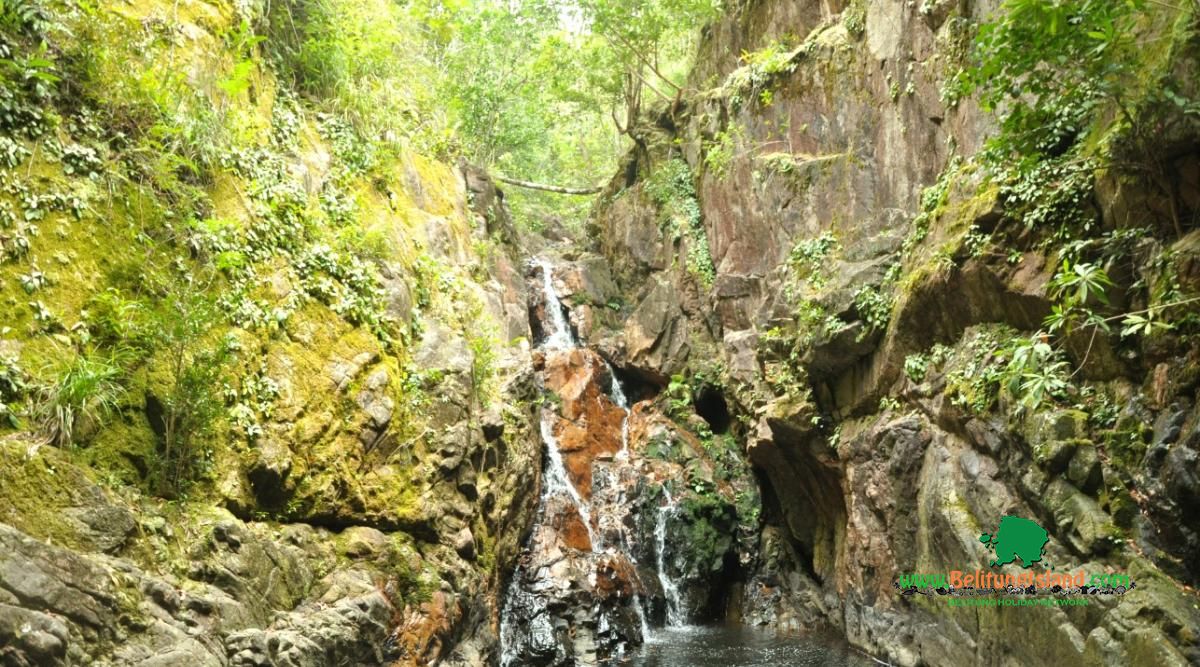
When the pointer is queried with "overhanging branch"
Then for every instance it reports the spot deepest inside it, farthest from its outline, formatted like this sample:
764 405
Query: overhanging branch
548 188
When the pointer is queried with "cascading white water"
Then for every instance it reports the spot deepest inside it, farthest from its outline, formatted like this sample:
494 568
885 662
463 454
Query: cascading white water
641 614
525 617
618 397
559 337
622 401
556 480
507 657
675 611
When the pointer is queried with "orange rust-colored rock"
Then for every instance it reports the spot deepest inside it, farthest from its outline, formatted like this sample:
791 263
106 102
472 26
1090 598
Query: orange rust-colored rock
615 576
422 630
590 423
568 524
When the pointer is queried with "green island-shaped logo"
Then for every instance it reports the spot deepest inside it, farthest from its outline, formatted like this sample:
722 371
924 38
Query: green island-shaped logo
1017 538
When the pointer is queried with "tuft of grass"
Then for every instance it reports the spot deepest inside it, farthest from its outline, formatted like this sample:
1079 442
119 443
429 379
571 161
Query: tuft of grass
85 390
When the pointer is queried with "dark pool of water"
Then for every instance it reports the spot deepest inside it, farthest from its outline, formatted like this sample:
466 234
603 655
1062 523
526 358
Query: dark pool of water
722 646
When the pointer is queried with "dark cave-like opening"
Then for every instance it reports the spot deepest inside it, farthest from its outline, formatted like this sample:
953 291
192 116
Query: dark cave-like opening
711 406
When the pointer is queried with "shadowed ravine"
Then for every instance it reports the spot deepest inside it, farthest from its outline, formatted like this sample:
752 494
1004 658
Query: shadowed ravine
567 333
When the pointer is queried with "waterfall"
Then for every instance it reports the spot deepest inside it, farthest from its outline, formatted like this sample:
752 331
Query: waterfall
556 480
675 611
507 656
618 397
559 337
641 615
552 584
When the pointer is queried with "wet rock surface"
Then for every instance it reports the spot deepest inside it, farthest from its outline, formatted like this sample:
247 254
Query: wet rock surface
614 551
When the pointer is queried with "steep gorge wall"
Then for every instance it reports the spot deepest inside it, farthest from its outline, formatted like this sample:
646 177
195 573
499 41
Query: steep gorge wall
816 264
366 479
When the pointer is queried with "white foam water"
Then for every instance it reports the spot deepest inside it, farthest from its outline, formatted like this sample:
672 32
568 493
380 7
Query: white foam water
618 397
675 610
556 481
559 336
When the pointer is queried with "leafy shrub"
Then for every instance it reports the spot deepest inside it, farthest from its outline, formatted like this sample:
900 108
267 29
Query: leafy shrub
874 307
193 361
720 153
1036 372
916 366
759 69
362 60
807 258
679 397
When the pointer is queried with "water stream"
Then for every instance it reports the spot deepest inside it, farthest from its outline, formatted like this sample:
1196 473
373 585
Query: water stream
527 625
622 401
732 646
676 613
618 397
559 337
556 481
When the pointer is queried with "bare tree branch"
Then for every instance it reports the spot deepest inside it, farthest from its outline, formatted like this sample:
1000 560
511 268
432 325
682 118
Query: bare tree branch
548 188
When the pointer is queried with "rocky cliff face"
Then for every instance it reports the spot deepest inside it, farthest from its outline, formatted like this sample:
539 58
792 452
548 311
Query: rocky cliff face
363 486
802 238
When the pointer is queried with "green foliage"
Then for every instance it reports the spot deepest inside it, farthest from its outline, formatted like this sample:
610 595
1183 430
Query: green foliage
1035 373
12 153
707 523
13 384
483 345
24 17
670 187
786 374
977 373
113 319
252 401
84 389
874 308
807 261
854 18
720 153
366 61
28 72
759 68
1144 324
286 226
646 46
193 361
1052 68
529 89
814 323
1079 282
933 199
1050 62
1076 287
916 366
679 397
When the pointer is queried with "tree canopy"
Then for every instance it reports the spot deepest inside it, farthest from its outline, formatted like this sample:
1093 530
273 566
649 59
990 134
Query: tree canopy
543 91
